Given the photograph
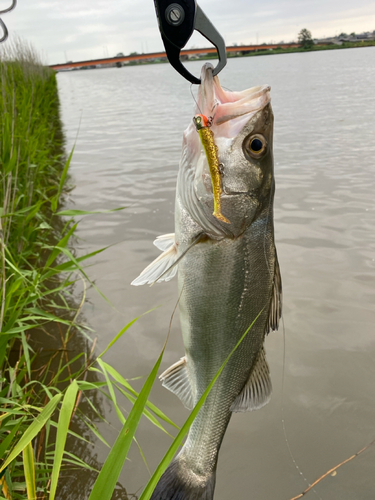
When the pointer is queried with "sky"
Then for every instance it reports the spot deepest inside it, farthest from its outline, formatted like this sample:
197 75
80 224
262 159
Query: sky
76 30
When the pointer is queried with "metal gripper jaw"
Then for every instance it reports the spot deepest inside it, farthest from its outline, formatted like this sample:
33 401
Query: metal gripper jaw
177 21
4 28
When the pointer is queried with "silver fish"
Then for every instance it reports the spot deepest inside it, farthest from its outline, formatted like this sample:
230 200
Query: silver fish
228 276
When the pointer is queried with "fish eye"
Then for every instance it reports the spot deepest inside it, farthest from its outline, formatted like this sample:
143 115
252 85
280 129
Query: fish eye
254 145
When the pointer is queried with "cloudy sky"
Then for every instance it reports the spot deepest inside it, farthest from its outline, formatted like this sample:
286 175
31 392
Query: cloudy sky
89 29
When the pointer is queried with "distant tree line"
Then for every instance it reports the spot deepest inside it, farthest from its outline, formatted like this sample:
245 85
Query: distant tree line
305 39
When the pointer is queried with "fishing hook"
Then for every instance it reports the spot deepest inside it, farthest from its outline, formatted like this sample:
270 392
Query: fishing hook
4 28
212 117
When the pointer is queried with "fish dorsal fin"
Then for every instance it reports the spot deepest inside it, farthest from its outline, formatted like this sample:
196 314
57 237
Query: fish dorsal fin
162 268
257 390
176 379
275 309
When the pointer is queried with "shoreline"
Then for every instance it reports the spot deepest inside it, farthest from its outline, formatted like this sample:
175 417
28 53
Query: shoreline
315 48
230 55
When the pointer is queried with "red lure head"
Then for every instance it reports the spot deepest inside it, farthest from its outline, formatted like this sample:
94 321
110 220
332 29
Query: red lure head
201 121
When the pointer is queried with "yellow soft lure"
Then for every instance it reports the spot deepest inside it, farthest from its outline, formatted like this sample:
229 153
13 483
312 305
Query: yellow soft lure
207 138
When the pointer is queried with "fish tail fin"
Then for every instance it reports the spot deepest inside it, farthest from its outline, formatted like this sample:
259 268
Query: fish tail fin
180 483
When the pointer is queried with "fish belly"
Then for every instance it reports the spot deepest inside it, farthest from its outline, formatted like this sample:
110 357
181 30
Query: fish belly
225 285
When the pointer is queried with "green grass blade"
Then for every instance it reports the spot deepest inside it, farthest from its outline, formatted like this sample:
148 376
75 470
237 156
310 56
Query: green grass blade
143 456
55 199
73 434
147 492
73 213
62 432
62 243
107 479
69 266
95 431
146 413
71 257
33 430
122 381
26 349
77 461
121 332
112 393
3 416
29 468
6 443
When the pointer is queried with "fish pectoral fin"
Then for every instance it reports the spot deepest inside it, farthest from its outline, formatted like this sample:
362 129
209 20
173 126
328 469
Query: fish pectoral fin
176 379
275 309
165 266
257 390
164 241
162 268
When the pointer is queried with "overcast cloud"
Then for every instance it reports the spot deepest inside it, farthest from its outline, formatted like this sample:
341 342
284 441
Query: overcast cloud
89 29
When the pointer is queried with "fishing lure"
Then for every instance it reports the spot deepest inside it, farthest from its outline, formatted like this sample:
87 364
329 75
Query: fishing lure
206 135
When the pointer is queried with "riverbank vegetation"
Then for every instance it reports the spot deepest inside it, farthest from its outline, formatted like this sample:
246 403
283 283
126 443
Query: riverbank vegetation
313 48
34 278
51 381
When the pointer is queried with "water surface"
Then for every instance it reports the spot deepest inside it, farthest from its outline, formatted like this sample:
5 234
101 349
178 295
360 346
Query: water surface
130 123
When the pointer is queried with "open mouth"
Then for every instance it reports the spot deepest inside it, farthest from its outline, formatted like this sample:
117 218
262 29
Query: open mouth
229 110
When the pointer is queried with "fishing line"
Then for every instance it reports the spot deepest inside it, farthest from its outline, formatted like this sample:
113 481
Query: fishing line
283 417
193 96
211 118
284 359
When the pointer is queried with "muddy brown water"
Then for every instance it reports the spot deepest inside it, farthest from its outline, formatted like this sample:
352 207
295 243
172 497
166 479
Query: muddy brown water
130 123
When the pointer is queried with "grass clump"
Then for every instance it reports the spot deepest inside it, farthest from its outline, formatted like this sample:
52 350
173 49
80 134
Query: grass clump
31 283
43 383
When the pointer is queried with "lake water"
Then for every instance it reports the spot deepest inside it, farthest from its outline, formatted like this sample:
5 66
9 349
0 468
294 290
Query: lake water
129 123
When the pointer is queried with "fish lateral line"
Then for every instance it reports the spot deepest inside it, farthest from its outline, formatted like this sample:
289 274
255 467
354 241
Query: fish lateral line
203 127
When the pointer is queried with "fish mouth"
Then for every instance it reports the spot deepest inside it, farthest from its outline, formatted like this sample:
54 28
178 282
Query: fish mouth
230 111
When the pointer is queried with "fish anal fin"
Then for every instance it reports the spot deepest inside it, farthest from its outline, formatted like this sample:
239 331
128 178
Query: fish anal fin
257 390
176 379
275 309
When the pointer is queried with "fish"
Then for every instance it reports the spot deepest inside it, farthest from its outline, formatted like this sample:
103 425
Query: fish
228 278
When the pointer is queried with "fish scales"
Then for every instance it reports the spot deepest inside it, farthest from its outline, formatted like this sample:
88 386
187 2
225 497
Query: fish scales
228 277
217 328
